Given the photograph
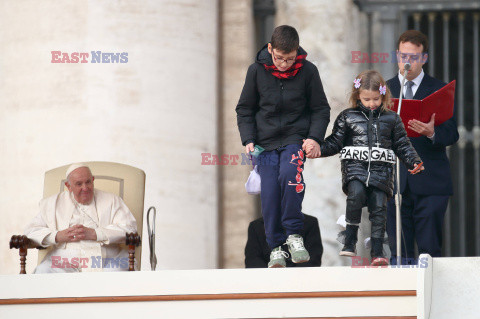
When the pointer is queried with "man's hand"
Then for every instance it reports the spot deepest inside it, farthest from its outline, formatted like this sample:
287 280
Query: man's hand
312 148
75 233
250 147
426 129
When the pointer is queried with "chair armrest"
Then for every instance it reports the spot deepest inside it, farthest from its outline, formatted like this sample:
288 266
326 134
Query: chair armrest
132 240
22 243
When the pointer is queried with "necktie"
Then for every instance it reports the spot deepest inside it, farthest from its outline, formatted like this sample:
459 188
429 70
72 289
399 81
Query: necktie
408 91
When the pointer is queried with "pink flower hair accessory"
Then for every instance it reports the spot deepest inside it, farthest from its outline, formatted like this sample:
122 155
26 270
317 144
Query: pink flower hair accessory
383 89
356 83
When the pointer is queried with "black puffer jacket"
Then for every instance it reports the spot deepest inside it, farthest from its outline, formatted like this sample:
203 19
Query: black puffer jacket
386 132
273 112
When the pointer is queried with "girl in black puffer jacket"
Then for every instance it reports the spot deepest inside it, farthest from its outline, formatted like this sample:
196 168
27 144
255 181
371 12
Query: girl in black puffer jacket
368 136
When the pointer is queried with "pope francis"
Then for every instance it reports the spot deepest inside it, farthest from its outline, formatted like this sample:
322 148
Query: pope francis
85 227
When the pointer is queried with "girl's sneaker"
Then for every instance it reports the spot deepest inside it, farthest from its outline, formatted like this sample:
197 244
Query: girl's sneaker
379 261
349 249
378 258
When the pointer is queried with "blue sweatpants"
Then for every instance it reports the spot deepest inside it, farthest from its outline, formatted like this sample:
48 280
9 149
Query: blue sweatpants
282 191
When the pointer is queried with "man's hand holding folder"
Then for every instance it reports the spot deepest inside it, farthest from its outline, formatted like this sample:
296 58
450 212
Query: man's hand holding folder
426 129
420 116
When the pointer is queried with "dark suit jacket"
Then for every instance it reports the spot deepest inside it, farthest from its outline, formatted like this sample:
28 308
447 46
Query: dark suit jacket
436 179
257 251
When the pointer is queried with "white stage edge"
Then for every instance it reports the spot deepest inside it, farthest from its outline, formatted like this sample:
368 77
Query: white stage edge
444 288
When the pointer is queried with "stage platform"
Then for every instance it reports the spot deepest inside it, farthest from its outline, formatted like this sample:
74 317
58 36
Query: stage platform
440 288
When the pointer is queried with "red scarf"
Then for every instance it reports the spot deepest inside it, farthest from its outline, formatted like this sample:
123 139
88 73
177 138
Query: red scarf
291 71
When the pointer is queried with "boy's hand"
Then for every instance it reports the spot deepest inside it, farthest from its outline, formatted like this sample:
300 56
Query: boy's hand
312 148
417 168
250 147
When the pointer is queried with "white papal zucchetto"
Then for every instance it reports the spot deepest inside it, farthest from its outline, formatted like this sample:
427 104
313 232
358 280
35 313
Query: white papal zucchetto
73 167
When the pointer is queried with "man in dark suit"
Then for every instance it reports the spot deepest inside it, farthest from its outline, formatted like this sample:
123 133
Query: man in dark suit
424 196
257 251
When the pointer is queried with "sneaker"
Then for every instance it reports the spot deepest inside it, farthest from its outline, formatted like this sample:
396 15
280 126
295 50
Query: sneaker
297 250
348 251
277 258
378 258
379 261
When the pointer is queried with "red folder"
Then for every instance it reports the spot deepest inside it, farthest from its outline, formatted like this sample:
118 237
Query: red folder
440 102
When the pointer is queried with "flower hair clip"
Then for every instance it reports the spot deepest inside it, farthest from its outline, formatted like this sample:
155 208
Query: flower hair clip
383 89
356 83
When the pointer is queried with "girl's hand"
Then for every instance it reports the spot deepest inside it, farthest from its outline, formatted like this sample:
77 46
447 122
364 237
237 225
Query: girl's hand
312 148
250 147
417 168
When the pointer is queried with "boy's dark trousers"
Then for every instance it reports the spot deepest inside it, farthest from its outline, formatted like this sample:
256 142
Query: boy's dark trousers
282 192
375 199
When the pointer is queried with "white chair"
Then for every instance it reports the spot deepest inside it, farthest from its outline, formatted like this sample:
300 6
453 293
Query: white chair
126 181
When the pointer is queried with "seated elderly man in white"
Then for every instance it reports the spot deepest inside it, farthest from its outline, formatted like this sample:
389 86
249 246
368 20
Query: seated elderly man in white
85 226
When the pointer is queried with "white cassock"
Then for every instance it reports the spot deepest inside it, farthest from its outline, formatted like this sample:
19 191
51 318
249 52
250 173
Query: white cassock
107 214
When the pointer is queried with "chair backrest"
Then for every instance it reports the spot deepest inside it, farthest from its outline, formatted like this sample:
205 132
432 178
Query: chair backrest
126 181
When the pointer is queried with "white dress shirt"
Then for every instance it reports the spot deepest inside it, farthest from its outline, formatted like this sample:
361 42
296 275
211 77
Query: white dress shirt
416 82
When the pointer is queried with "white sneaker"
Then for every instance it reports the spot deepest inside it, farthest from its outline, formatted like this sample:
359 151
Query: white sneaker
297 249
277 258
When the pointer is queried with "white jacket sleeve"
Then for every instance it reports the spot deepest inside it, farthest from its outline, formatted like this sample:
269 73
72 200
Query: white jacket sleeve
38 231
121 222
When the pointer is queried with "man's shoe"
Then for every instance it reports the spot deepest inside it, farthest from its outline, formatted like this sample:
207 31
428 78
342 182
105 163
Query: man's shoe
297 249
349 249
277 258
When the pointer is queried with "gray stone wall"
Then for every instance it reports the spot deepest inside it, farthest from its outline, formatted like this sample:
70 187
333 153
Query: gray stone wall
157 112
237 208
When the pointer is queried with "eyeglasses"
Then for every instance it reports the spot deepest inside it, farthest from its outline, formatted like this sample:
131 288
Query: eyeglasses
411 57
280 60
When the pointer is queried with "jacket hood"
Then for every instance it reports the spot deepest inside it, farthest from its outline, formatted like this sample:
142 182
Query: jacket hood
264 57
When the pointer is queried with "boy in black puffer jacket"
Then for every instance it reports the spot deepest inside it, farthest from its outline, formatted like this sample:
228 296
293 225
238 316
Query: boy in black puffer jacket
283 109
368 136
